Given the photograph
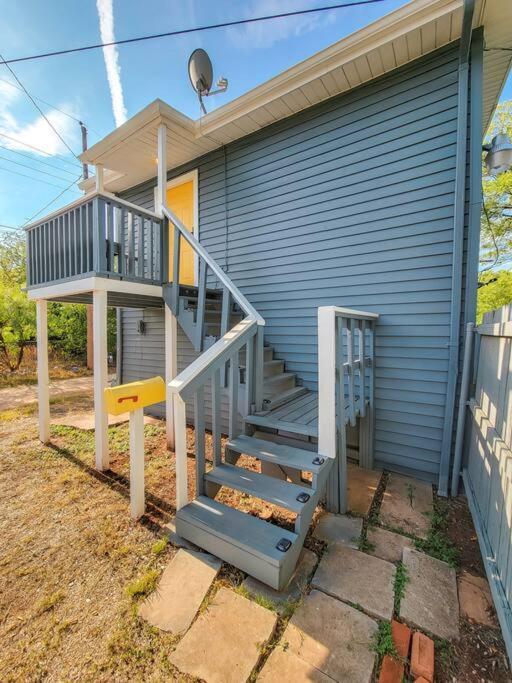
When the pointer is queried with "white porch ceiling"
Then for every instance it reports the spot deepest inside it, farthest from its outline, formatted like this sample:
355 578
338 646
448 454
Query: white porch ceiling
421 26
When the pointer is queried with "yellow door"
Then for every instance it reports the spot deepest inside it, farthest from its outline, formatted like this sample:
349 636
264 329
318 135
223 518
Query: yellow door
180 200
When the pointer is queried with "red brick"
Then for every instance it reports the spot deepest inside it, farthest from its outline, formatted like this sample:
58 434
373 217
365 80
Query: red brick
391 671
421 680
422 656
401 638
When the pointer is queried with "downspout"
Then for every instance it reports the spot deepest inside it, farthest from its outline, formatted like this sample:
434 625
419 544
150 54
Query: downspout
458 243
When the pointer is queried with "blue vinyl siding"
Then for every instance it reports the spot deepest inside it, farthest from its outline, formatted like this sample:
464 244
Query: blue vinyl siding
350 203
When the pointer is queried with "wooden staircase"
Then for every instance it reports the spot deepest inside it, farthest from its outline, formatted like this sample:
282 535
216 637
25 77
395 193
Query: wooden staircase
289 477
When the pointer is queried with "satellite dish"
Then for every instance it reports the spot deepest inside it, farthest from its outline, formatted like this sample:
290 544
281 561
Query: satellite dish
200 72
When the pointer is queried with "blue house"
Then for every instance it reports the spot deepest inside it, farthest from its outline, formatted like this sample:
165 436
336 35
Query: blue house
297 264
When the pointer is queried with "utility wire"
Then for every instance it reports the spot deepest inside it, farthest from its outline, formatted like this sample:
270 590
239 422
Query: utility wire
9 227
31 168
49 104
167 34
38 161
38 180
52 201
38 149
38 107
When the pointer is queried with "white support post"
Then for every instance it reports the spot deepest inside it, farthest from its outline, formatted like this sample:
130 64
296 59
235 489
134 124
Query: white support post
326 382
43 380
161 186
99 299
137 503
180 421
99 178
171 370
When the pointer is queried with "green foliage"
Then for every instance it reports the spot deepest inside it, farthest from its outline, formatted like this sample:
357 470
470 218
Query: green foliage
401 580
17 324
496 294
437 544
383 641
160 546
144 585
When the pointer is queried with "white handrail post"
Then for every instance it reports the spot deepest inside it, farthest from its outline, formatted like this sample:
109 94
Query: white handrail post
99 314
137 503
180 423
327 381
43 380
161 186
171 370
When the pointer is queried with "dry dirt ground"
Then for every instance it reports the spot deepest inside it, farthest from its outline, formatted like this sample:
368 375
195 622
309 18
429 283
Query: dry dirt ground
73 565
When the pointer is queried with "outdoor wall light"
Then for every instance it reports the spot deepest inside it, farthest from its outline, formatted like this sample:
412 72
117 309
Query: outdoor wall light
499 154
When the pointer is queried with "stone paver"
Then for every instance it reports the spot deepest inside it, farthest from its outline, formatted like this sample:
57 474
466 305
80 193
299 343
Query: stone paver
333 637
475 599
361 488
225 642
430 601
387 545
283 665
339 529
180 591
295 587
406 504
357 578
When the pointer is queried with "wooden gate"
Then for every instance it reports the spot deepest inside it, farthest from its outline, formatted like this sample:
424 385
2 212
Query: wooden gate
487 472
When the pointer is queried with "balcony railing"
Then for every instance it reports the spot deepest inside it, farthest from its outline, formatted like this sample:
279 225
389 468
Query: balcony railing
97 235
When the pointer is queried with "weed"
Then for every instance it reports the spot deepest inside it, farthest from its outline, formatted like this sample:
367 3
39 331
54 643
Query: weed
260 600
437 544
365 545
401 580
383 641
47 603
144 585
159 547
445 649
410 493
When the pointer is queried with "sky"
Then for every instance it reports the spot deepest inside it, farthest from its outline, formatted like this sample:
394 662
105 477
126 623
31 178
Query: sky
104 87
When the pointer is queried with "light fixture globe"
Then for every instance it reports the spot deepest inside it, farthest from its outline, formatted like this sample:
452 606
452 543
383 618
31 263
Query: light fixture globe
499 157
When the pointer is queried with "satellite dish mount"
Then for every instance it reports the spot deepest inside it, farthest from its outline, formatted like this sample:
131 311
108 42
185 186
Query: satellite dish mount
200 71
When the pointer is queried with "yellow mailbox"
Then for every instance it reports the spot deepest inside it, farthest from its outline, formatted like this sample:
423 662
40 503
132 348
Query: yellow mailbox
127 397
133 398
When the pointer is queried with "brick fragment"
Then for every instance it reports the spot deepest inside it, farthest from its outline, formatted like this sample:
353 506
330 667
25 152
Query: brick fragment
420 680
391 671
422 656
401 638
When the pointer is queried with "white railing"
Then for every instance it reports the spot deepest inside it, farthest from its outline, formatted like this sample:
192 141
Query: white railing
191 382
345 382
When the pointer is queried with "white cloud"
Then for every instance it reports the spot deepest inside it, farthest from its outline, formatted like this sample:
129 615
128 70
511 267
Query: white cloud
264 34
36 133
111 57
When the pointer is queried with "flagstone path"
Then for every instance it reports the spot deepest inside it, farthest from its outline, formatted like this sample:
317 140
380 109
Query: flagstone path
336 599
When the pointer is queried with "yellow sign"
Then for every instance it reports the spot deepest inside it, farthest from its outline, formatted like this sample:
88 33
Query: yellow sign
127 397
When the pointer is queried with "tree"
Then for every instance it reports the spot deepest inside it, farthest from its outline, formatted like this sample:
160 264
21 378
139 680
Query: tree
495 292
17 324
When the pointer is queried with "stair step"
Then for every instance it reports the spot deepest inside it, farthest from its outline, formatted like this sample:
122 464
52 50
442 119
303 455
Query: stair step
278 384
275 491
245 541
283 397
286 456
268 422
273 367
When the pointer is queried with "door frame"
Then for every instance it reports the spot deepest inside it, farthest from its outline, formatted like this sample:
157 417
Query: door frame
180 180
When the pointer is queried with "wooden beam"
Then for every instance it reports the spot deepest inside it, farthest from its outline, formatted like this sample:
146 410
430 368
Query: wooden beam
161 177
43 379
171 370
100 378
137 502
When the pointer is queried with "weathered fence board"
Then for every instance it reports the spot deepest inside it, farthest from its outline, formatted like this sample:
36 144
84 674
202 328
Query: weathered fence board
488 464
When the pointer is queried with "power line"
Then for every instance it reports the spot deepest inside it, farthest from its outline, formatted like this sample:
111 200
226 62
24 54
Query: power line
38 149
38 107
51 201
52 106
38 161
9 227
195 29
31 168
24 175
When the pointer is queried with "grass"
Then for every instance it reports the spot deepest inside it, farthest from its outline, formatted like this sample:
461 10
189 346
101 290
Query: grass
383 641
160 546
49 602
437 544
401 580
144 585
